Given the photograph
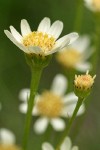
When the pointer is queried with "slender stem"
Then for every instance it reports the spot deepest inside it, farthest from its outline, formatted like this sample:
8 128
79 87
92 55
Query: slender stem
79 103
94 60
79 15
36 74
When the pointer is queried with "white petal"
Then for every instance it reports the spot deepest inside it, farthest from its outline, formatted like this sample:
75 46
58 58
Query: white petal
69 109
59 85
58 124
62 41
47 146
10 36
66 40
70 98
23 108
24 94
44 25
52 51
88 1
69 37
35 50
6 137
70 101
15 34
25 28
81 110
87 54
75 148
89 5
56 29
35 111
81 44
37 98
65 43
66 144
41 125
83 66
72 37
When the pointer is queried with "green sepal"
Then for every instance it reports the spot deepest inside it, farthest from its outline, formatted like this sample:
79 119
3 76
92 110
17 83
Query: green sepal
81 93
37 61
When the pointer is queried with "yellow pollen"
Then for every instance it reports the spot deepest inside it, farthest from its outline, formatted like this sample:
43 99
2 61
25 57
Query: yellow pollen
50 105
9 147
42 40
84 82
69 57
96 4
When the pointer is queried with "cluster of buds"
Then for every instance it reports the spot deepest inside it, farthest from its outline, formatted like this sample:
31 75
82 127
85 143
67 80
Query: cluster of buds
83 84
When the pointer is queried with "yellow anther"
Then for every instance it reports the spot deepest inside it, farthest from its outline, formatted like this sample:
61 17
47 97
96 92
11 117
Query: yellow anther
42 40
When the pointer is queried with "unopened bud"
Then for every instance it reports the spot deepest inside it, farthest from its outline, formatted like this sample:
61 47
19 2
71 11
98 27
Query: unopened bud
83 84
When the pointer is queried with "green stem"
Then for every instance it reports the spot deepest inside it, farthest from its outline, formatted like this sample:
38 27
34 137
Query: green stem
79 15
79 103
94 60
36 74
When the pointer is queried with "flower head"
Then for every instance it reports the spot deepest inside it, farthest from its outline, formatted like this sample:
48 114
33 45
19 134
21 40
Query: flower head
76 55
51 105
93 5
7 140
44 41
83 84
66 145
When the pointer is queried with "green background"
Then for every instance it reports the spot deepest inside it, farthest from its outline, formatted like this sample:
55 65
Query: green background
15 74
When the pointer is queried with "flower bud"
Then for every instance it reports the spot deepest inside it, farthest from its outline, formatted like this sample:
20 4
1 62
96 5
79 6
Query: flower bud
83 84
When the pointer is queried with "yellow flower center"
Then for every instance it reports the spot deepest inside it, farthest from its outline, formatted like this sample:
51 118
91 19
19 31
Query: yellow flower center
42 40
84 82
69 57
50 105
96 4
9 147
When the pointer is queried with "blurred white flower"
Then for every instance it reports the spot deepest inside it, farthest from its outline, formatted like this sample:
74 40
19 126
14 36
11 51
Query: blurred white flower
51 105
44 40
93 5
76 55
7 140
66 145
6 137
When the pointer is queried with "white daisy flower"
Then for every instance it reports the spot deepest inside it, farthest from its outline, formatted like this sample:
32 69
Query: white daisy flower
66 145
51 105
7 140
76 55
93 5
44 41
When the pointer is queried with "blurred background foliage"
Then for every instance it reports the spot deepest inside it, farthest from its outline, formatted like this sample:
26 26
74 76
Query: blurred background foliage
15 74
